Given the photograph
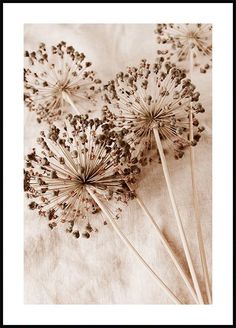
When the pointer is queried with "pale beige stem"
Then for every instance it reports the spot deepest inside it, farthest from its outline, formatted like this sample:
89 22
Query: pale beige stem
168 249
199 229
196 202
177 216
131 247
67 98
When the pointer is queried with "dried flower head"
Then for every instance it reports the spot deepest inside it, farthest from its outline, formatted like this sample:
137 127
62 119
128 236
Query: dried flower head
55 78
85 153
154 96
180 40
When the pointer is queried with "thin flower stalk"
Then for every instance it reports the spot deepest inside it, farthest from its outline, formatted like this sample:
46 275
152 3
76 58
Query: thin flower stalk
196 202
153 102
178 218
131 248
167 247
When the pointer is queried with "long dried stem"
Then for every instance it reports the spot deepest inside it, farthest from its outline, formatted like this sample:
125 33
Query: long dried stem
68 99
196 202
177 216
131 247
167 248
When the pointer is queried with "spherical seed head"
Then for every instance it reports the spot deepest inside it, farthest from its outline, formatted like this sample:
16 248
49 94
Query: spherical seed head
51 75
181 41
84 154
159 96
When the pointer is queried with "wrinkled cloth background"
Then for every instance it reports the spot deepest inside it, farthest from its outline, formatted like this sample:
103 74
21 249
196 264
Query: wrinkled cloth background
62 270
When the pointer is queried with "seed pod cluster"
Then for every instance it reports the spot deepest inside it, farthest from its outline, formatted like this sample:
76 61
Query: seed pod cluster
181 41
52 75
83 153
152 96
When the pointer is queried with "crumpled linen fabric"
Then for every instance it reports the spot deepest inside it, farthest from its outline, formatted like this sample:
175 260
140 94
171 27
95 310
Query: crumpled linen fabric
59 269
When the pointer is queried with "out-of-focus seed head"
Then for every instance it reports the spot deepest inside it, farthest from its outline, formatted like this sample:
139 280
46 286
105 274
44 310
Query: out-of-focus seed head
181 41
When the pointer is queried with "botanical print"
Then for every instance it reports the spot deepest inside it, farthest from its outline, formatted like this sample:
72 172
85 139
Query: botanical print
117 163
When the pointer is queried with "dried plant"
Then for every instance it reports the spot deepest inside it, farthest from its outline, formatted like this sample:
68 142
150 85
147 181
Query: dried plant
57 78
154 96
180 42
78 170
83 170
154 102
190 43
83 153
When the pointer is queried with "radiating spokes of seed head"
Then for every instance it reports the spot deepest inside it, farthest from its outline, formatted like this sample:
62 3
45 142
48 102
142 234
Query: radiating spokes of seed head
153 96
84 153
50 74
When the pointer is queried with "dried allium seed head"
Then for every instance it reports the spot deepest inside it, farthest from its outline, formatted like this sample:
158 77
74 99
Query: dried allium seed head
160 96
178 41
51 76
85 153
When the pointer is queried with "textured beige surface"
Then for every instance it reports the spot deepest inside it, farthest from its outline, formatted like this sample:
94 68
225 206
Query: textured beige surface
62 270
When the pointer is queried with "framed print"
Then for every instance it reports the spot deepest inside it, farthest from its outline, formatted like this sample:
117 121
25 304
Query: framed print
123 209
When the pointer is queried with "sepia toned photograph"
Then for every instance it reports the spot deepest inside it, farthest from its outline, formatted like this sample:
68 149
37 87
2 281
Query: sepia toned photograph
118 163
